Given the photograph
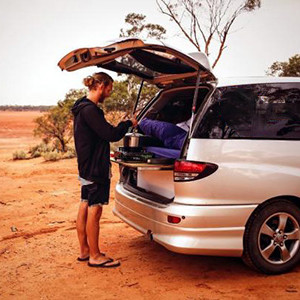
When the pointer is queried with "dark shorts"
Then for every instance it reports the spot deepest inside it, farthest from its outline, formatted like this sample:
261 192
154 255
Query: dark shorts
95 193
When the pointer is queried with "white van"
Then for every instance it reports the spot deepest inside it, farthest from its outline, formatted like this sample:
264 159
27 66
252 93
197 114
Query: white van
233 188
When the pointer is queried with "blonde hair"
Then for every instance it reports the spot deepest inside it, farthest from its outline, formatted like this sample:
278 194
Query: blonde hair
97 78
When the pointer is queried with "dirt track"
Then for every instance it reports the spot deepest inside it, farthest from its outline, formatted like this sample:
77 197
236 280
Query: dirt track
39 200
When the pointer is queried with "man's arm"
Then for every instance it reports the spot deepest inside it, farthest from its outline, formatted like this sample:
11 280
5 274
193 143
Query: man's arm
101 127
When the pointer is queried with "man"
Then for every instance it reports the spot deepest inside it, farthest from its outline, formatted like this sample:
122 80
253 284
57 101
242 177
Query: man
92 134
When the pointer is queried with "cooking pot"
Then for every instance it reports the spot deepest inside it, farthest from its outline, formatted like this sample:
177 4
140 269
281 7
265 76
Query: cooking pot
133 139
136 140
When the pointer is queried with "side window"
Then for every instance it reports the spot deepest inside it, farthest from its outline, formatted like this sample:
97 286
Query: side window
277 112
229 115
260 111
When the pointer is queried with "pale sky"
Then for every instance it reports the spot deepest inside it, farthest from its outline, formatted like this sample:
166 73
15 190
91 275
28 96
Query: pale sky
36 34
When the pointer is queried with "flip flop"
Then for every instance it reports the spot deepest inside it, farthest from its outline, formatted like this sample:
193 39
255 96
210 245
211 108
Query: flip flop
106 264
83 259
87 258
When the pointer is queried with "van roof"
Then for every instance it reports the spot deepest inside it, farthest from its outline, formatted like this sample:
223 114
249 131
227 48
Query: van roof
230 81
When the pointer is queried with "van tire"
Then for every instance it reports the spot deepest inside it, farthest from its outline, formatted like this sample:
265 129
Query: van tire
269 245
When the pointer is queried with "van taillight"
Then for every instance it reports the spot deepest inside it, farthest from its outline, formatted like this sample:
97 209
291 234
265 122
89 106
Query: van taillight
185 170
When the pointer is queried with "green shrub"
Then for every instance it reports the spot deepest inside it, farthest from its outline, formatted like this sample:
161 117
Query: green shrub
35 154
41 148
71 153
18 155
33 149
51 156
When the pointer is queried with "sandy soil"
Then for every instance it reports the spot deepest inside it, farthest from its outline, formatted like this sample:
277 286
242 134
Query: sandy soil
38 243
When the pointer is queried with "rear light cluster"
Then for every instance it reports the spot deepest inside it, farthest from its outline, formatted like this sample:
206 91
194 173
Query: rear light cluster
185 170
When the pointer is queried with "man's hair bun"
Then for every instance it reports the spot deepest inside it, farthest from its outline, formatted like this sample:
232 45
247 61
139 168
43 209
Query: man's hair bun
89 81
97 78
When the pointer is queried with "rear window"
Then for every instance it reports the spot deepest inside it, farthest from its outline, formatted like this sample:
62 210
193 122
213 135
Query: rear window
259 111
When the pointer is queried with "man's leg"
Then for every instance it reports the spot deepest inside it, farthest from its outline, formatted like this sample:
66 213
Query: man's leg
92 229
81 229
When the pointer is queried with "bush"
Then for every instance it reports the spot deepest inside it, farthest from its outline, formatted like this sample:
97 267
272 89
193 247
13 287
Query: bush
35 154
18 155
51 156
42 147
39 150
71 153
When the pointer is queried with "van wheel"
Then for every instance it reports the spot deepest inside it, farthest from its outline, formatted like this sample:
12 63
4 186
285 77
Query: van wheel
272 237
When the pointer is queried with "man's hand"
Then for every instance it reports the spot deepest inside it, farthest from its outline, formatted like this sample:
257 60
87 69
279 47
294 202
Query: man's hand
134 121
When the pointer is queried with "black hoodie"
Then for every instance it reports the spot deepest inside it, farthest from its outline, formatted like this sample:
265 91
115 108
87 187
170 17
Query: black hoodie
92 134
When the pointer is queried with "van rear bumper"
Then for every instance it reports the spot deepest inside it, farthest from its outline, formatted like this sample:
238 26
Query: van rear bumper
203 229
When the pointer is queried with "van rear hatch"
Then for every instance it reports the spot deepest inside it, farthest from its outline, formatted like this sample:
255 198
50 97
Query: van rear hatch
156 62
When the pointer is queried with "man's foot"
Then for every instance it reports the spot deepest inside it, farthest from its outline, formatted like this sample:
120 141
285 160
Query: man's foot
87 257
102 261
84 253
99 259
105 264
83 258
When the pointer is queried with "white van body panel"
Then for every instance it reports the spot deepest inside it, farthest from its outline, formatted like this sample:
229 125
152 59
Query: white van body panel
249 171
205 230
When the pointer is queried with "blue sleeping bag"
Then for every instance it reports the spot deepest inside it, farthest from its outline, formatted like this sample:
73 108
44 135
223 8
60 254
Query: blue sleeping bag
164 152
171 135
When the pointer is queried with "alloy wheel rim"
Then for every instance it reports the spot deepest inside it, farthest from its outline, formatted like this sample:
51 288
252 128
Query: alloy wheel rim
279 238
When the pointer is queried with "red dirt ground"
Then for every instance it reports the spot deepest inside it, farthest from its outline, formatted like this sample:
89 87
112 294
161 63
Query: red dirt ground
38 261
